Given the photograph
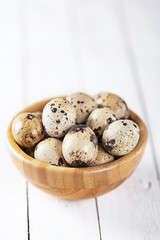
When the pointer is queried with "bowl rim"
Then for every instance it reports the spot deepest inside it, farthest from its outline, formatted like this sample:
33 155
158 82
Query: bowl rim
17 151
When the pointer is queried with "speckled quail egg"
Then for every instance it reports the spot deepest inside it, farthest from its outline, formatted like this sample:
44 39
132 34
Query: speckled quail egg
27 130
38 115
99 119
102 157
58 117
80 146
114 102
121 137
50 151
84 105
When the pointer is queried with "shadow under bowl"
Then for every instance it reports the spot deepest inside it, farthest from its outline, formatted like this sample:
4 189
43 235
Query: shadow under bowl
76 183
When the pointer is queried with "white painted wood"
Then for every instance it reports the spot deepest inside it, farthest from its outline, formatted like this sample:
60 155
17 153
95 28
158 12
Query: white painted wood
13 217
144 32
54 218
53 70
132 210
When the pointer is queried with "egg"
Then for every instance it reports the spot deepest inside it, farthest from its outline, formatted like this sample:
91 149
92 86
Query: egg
38 115
80 146
102 157
99 119
27 130
84 105
58 117
114 102
121 137
50 151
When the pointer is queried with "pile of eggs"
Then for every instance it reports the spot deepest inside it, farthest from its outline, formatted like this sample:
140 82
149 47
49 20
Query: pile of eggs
77 131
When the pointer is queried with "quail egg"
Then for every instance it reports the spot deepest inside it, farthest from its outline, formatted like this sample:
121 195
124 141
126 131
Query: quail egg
38 115
80 146
99 119
27 130
58 117
50 151
114 102
84 105
121 137
102 157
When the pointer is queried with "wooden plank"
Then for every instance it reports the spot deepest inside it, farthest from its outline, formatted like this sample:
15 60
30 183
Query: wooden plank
51 217
128 212
13 217
52 72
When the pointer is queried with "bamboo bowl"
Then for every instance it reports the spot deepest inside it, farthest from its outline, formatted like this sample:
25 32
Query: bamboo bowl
76 183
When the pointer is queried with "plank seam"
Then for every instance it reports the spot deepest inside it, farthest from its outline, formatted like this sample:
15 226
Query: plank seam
128 46
98 219
23 30
28 220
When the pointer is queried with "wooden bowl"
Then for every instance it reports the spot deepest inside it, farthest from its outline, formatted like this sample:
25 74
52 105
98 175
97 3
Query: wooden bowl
76 183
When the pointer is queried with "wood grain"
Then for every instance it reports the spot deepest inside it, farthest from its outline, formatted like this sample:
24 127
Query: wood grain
77 183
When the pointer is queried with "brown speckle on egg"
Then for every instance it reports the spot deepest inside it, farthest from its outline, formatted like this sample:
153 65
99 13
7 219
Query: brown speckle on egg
53 110
30 116
77 128
93 139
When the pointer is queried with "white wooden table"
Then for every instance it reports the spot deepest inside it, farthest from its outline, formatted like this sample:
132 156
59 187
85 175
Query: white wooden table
49 48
